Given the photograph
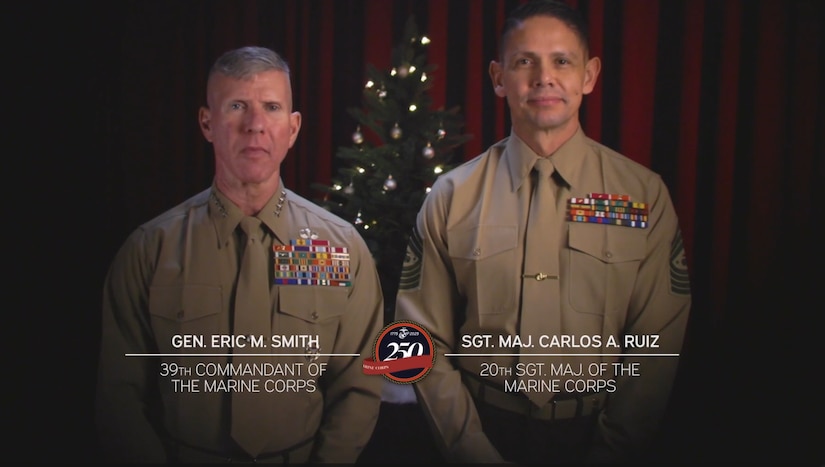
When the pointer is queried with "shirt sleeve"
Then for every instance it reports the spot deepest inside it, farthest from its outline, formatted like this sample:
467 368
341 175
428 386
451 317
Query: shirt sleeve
124 416
428 296
352 398
659 306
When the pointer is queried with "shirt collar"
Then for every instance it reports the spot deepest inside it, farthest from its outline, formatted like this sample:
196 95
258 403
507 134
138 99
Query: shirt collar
520 160
226 215
570 158
567 159
275 214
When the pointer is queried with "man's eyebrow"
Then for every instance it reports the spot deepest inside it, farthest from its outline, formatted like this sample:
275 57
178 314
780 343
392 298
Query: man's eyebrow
273 102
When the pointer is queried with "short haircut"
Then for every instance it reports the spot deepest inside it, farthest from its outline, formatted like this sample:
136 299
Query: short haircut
552 8
248 61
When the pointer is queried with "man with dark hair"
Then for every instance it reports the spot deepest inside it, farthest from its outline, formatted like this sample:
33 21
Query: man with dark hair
550 272
233 323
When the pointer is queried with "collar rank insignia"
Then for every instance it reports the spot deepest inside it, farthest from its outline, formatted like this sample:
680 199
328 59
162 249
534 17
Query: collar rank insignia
311 261
610 209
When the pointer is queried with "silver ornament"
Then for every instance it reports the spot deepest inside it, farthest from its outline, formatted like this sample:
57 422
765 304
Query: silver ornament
358 137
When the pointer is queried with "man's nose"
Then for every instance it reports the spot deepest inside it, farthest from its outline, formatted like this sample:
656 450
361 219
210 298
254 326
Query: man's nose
254 121
545 76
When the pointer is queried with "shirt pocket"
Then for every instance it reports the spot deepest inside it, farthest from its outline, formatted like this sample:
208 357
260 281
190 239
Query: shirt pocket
184 309
312 310
604 264
485 264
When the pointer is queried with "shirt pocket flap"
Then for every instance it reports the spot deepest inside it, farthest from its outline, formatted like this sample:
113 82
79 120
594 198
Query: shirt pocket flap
610 244
312 303
184 302
481 242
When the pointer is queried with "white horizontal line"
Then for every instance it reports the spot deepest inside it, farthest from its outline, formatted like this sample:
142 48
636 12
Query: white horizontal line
561 354
243 354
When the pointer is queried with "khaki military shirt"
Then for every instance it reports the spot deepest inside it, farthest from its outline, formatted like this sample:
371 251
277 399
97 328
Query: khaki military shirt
176 275
462 277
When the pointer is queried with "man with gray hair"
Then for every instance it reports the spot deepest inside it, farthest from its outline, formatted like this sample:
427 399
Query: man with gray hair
233 324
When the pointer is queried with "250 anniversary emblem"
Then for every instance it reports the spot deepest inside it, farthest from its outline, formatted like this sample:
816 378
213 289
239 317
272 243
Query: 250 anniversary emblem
403 353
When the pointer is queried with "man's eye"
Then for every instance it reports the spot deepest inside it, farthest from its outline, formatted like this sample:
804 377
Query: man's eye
236 106
274 107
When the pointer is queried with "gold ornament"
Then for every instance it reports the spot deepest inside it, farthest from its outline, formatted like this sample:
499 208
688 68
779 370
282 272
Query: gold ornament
395 132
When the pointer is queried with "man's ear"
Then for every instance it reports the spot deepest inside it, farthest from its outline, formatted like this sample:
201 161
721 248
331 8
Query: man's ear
495 77
591 74
294 126
204 121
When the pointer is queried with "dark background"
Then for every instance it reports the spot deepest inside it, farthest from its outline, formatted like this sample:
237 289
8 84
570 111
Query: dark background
724 99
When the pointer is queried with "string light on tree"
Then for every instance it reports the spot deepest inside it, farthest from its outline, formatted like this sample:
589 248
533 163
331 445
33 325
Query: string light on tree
380 92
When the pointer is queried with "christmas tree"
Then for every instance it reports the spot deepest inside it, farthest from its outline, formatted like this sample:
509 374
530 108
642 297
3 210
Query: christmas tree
399 147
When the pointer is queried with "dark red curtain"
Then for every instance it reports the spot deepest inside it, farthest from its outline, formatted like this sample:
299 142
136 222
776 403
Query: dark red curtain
723 98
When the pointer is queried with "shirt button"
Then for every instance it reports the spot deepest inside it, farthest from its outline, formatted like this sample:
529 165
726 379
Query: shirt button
608 254
180 314
477 252
314 315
